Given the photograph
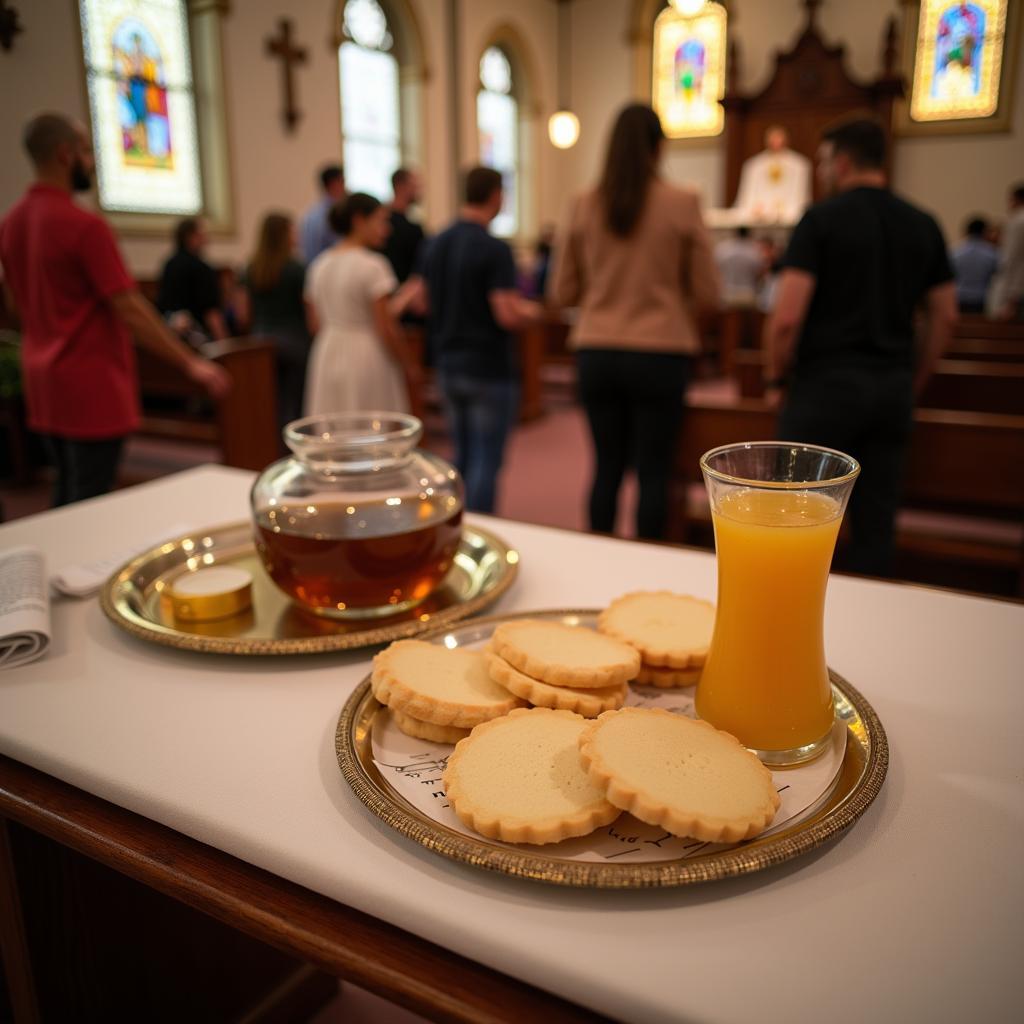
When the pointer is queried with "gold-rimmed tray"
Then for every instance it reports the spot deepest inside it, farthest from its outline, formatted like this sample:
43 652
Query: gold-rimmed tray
862 767
135 598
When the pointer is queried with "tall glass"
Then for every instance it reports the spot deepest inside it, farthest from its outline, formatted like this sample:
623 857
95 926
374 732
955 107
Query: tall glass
776 509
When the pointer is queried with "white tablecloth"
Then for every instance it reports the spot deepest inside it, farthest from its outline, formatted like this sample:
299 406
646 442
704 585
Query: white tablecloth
916 914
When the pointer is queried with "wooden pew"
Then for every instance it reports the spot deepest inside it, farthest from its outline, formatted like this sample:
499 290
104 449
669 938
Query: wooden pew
972 326
974 338
711 424
748 369
964 464
997 350
556 326
979 338
968 385
967 461
740 330
532 343
967 464
243 424
976 386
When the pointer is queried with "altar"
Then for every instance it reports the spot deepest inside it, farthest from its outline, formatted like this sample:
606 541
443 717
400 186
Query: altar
214 779
769 182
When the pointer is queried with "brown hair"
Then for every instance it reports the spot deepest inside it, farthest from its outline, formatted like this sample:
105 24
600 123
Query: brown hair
329 174
343 213
481 183
273 251
861 139
629 166
184 230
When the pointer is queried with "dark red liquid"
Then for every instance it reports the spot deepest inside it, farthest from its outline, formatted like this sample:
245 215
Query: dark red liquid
335 559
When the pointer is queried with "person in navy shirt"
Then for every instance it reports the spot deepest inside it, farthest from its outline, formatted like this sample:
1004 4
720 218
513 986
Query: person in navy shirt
316 233
975 262
475 311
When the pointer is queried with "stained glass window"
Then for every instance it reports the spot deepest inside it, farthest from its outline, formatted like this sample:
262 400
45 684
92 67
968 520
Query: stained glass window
370 112
688 71
142 105
958 60
497 122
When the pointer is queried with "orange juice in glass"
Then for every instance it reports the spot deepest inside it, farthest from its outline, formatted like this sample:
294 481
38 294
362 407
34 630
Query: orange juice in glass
776 509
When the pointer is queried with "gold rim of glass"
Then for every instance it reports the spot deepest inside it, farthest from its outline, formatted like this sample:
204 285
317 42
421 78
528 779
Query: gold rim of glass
782 485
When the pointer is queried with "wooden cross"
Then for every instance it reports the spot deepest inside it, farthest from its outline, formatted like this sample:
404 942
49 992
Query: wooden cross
9 26
290 55
812 11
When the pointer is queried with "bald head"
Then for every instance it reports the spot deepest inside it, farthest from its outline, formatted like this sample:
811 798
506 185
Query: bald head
46 133
58 147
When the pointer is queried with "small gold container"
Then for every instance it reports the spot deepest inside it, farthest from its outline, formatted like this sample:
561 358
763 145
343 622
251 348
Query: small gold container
216 592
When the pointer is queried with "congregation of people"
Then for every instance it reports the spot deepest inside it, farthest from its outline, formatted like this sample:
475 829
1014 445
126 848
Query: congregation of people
342 290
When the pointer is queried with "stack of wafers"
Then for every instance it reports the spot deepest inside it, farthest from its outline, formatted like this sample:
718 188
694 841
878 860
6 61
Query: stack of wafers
437 694
671 632
566 668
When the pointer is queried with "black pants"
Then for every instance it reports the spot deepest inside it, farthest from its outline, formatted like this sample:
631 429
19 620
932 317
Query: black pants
291 388
85 469
292 362
867 413
634 403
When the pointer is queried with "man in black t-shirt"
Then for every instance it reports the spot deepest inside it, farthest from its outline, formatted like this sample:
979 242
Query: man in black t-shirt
841 336
189 285
474 307
402 247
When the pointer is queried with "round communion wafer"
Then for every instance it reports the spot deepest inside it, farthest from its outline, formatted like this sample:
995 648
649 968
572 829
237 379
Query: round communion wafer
435 684
564 655
520 779
427 730
680 774
669 630
588 703
667 678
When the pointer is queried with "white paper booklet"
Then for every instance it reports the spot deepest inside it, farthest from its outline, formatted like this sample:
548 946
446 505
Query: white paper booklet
24 606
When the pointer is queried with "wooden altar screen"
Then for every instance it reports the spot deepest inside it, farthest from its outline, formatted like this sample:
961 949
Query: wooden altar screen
808 91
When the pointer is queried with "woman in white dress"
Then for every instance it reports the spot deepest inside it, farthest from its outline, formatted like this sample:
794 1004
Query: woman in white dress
359 360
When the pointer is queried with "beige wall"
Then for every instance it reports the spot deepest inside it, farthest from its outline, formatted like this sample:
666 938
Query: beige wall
952 176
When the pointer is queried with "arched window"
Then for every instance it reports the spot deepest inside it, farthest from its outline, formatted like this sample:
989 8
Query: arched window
688 68
958 60
497 121
370 107
142 103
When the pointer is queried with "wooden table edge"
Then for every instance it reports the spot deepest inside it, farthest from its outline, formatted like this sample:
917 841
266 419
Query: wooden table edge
353 945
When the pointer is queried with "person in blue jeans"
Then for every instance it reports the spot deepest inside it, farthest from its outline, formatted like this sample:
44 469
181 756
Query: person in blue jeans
474 312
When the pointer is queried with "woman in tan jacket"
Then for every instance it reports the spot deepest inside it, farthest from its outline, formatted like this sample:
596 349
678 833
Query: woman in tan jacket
637 260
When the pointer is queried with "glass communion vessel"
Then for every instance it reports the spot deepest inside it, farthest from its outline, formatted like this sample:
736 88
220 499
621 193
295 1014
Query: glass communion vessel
357 522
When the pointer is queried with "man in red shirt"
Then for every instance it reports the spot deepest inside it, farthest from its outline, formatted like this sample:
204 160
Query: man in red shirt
79 309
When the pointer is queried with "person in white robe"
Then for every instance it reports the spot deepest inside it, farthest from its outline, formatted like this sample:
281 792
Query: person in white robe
775 185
